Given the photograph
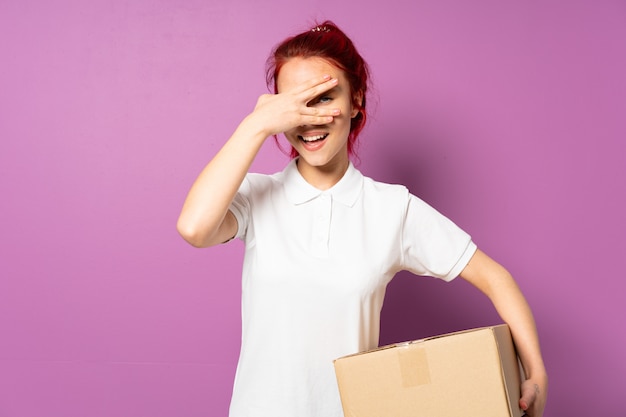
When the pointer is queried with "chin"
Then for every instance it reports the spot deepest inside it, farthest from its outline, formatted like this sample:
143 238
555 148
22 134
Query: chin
315 160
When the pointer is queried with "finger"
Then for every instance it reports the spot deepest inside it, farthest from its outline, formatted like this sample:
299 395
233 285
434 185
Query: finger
308 84
528 397
308 90
311 116
319 89
523 404
526 400
316 120
319 111
312 83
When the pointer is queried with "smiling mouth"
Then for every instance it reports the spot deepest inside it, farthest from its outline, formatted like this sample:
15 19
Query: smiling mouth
310 139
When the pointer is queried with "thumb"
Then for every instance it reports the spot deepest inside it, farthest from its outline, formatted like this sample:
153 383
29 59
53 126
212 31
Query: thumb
529 394
523 404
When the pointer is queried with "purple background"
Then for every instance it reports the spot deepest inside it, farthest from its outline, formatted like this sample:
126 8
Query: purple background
509 117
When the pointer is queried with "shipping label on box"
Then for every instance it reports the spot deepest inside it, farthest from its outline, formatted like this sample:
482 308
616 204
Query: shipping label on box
469 373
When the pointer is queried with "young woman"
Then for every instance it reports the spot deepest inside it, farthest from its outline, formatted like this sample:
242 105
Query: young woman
323 241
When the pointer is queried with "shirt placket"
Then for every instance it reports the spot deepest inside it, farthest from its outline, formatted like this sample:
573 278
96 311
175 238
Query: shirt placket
321 225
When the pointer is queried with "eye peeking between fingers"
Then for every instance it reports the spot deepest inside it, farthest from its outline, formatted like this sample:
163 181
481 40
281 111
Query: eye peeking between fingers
325 99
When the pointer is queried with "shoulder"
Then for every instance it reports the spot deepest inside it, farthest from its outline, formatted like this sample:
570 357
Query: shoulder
398 196
255 182
377 189
256 178
383 199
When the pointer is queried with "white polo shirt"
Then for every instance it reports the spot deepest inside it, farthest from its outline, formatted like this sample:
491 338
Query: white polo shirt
315 271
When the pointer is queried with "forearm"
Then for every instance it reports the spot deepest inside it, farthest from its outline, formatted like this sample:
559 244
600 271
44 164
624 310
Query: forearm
498 284
515 311
210 196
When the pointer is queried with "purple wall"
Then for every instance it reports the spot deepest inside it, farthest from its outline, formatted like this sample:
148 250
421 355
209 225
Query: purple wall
509 117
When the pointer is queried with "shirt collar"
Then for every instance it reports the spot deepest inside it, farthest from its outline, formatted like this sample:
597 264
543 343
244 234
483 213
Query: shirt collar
298 191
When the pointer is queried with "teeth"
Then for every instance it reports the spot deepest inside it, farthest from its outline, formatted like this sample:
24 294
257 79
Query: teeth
313 138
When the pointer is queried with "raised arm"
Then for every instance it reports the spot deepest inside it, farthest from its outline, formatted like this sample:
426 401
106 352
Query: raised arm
498 284
205 219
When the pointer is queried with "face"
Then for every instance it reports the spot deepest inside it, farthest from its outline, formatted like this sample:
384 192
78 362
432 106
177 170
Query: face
320 146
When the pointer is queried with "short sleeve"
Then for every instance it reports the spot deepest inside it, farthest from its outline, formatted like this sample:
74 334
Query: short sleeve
240 207
432 244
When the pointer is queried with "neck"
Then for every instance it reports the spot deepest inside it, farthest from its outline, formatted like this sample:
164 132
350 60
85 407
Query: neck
323 177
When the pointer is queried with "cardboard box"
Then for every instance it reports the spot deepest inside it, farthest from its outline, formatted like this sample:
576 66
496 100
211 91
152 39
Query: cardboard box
469 373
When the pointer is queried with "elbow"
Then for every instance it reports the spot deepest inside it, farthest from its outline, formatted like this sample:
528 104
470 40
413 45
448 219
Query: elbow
191 234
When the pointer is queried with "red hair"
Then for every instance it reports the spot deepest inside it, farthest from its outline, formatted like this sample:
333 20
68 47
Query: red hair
326 41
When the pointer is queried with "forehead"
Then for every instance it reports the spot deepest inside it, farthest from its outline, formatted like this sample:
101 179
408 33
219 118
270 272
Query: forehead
300 70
